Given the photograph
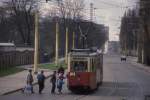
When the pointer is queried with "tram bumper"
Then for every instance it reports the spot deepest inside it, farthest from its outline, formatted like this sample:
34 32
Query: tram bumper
78 80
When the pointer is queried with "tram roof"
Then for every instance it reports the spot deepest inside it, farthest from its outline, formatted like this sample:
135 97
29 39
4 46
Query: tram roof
83 52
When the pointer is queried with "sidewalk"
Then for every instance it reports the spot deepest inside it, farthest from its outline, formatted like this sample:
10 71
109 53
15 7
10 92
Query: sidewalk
16 82
139 65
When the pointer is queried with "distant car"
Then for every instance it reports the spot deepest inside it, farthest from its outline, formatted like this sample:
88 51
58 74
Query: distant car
123 58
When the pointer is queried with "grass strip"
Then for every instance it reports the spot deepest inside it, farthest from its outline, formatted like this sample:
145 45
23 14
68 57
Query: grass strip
9 71
52 66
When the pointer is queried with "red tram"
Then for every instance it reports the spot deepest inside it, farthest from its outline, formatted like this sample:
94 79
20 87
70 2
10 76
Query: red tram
85 70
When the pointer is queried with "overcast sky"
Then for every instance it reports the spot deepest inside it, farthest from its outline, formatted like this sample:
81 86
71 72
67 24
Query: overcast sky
109 12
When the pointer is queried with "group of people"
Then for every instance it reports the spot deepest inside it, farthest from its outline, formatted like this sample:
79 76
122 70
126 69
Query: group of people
56 79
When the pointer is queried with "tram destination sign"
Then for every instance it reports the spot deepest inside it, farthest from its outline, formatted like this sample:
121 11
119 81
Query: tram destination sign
79 58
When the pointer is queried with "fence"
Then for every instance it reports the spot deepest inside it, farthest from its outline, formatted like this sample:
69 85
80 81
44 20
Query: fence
16 58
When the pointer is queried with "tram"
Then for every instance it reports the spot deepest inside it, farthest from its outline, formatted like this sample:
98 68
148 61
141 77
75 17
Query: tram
85 70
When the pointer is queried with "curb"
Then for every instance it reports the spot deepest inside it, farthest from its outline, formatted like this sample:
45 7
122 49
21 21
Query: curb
19 89
141 67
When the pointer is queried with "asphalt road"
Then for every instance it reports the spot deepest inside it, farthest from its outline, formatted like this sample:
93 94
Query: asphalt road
122 81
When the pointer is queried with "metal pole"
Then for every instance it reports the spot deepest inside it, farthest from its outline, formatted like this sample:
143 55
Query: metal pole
66 53
73 42
57 43
36 52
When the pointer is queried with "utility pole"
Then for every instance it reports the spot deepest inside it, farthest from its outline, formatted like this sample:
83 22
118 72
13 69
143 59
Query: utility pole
57 37
66 51
91 11
73 42
57 43
36 45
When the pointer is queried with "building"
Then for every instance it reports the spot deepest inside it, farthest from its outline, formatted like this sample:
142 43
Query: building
113 47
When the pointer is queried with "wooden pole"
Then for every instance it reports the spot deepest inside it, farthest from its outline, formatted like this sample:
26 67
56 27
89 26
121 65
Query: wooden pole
36 45
73 42
57 43
66 51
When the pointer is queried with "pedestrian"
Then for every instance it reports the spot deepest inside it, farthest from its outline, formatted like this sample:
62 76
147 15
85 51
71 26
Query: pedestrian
60 82
30 80
41 81
61 70
53 82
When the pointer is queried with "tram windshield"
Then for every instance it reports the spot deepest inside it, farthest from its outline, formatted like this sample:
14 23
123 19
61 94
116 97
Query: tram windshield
79 66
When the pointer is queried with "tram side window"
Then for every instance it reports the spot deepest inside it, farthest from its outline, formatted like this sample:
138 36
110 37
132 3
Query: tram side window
79 66
93 65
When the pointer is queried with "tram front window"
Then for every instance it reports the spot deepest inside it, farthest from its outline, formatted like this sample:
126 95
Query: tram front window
79 66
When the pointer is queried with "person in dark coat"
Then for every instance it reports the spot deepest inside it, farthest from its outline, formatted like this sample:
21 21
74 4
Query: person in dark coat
53 81
61 70
41 80
30 80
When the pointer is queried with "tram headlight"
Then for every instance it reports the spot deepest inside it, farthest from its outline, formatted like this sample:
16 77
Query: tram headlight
72 74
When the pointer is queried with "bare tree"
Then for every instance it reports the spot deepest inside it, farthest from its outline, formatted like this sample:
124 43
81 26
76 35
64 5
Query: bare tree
5 26
146 34
21 11
70 9
143 36
78 7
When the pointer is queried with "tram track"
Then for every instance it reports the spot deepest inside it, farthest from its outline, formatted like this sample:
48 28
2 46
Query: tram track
115 82
71 97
